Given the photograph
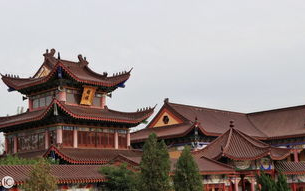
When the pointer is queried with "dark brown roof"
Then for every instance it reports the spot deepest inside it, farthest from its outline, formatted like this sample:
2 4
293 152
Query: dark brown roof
32 154
208 166
288 167
238 146
272 124
285 122
205 165
162 132
91 156
79 71
79 112
215 122
63 173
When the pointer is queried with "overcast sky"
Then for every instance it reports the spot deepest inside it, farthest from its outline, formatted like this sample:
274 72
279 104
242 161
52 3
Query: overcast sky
235 55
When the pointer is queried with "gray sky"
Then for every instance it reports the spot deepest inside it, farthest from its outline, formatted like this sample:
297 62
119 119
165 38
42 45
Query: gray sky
236 55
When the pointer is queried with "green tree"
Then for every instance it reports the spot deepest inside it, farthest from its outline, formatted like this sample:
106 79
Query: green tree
40 178
120 178
15 160
265 182
187 176
154 166
281 184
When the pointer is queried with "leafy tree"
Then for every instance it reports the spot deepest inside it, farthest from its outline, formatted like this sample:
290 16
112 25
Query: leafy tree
268 184
281 184
15 160
154 166
120 178
265 182
40 178
187 177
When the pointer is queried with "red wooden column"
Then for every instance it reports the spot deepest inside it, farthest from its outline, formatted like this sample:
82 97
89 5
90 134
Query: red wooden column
59 135
236 184
30 104
5 143
128 138
103 101
62 96
15 144
75 138
116 140
294 187
296 155
252 184
46 139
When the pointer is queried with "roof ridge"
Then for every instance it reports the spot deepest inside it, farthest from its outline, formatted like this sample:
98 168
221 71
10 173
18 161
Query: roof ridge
205 108
276 110
217 162
162 127
228 141
247 137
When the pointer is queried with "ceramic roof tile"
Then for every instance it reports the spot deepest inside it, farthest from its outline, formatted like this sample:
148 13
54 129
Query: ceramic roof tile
162 132
91 156
288 167
81 112
238 146
77 70
63 173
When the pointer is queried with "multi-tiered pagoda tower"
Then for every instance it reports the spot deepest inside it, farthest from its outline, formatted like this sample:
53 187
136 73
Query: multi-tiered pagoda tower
67 117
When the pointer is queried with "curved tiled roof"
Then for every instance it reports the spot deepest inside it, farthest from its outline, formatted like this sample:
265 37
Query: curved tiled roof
208 166
79 112
238 146
63 173
205 165
265 125
79 71
215 122
288 167
91 156
162 132
285 122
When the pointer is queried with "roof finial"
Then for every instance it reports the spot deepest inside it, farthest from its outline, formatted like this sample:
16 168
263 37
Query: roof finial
231 123
58 55
166 100
49 54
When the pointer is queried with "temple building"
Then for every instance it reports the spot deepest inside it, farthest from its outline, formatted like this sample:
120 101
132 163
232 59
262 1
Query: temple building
270 141
67 117
68 120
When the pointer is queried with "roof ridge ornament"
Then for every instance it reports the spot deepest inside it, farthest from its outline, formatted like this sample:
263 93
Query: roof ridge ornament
232 124
49 54
82 60
166 100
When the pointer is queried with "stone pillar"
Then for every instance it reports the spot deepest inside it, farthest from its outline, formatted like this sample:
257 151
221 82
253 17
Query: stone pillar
128 139
116 140
296 155
15 144
59 135
75 138
46 139
103 101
